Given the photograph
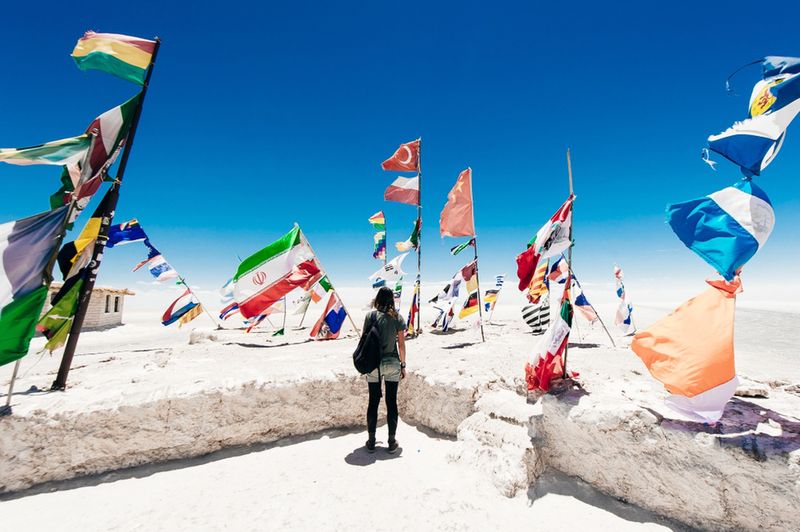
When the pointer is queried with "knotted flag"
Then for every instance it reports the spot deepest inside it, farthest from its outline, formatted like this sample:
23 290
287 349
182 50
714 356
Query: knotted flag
413 241
548 363
725 228
691 352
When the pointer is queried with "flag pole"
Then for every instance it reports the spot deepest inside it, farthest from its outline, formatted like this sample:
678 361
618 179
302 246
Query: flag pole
283 326
304 313
418 329
475 249
319 263
569 251
6 410
385 239
97 254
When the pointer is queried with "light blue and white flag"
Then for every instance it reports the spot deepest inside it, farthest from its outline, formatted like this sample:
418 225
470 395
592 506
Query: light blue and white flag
725 228
754 142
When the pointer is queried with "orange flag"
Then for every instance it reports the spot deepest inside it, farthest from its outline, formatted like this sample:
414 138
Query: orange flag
457 218
691 352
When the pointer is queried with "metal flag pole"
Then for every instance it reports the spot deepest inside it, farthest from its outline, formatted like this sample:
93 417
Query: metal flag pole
283 326
569 251
324 271
418 290
475 249
97 254
305 311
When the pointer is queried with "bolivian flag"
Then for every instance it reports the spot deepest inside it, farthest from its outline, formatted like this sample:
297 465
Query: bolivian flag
119 55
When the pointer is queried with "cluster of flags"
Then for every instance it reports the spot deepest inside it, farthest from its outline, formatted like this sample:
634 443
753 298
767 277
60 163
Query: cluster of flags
691 350
263 280
378 221
33 245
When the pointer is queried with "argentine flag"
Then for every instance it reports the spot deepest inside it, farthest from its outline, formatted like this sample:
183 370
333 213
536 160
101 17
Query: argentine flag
725 228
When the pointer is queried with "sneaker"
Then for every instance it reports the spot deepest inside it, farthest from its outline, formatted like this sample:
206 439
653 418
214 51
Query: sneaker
393 445
371 445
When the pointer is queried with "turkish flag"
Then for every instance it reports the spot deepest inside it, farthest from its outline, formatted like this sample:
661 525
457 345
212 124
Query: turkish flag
457 218
405 159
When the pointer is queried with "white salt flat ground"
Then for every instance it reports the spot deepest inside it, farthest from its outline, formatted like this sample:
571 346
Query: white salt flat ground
326 482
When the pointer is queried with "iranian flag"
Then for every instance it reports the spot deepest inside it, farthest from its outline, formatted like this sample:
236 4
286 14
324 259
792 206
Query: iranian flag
266 276
549 364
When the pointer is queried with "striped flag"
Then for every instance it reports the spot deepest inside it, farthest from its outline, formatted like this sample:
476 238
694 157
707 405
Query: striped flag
58 152
538 287
470 305
229 311
190 315
119 55
455 250
552 239
378 221
624 316
754 142
581 304
183 304
691 352
537 317
413 310
266 276
26 247
403 190
329 325
725 228
413 240
548 363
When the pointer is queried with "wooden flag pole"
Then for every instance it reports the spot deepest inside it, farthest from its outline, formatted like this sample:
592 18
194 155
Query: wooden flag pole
97 254
205 308
48 269
572 276
569 251
418 329
305 312
322 269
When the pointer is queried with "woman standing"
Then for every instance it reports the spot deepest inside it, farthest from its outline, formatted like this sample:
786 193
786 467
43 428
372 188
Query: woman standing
391 328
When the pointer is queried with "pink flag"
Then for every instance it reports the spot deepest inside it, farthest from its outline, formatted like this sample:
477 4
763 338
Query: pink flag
457 218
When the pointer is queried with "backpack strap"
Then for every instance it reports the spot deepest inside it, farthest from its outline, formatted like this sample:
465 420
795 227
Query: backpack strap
380 386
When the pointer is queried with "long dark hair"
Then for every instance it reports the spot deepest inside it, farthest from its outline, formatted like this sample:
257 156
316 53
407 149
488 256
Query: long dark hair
384 301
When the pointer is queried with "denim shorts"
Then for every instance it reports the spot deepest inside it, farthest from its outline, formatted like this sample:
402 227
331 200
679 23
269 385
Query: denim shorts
390 370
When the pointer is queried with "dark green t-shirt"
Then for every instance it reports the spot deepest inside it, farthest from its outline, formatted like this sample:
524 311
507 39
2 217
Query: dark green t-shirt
388 328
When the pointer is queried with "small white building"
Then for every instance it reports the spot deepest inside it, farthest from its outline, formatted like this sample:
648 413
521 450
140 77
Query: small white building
105 306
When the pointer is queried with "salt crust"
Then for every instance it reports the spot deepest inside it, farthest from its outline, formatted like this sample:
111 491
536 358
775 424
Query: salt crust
179 401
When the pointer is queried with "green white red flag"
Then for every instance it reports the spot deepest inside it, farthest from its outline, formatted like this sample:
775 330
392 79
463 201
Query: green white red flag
266 276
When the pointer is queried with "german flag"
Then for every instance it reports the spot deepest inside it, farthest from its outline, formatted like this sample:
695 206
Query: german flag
470 305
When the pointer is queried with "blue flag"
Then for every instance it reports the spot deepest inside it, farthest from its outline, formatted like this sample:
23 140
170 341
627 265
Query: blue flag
725 228
125 233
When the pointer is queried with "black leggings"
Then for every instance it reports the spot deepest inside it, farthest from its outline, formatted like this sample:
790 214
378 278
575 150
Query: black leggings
391 407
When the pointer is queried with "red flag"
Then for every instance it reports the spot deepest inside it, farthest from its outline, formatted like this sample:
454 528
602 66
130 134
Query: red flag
405 159
457 218
526 266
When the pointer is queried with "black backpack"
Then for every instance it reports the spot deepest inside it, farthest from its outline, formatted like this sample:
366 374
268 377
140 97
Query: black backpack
368 354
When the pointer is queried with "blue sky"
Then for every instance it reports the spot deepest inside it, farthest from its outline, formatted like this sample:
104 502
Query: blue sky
262 114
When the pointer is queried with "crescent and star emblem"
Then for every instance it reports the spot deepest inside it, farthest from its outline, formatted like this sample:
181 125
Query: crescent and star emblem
408 153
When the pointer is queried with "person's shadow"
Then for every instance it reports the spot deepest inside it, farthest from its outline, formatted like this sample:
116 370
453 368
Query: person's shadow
361 457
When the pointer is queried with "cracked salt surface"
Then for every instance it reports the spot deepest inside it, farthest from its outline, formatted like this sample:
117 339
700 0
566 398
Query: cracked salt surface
321 482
